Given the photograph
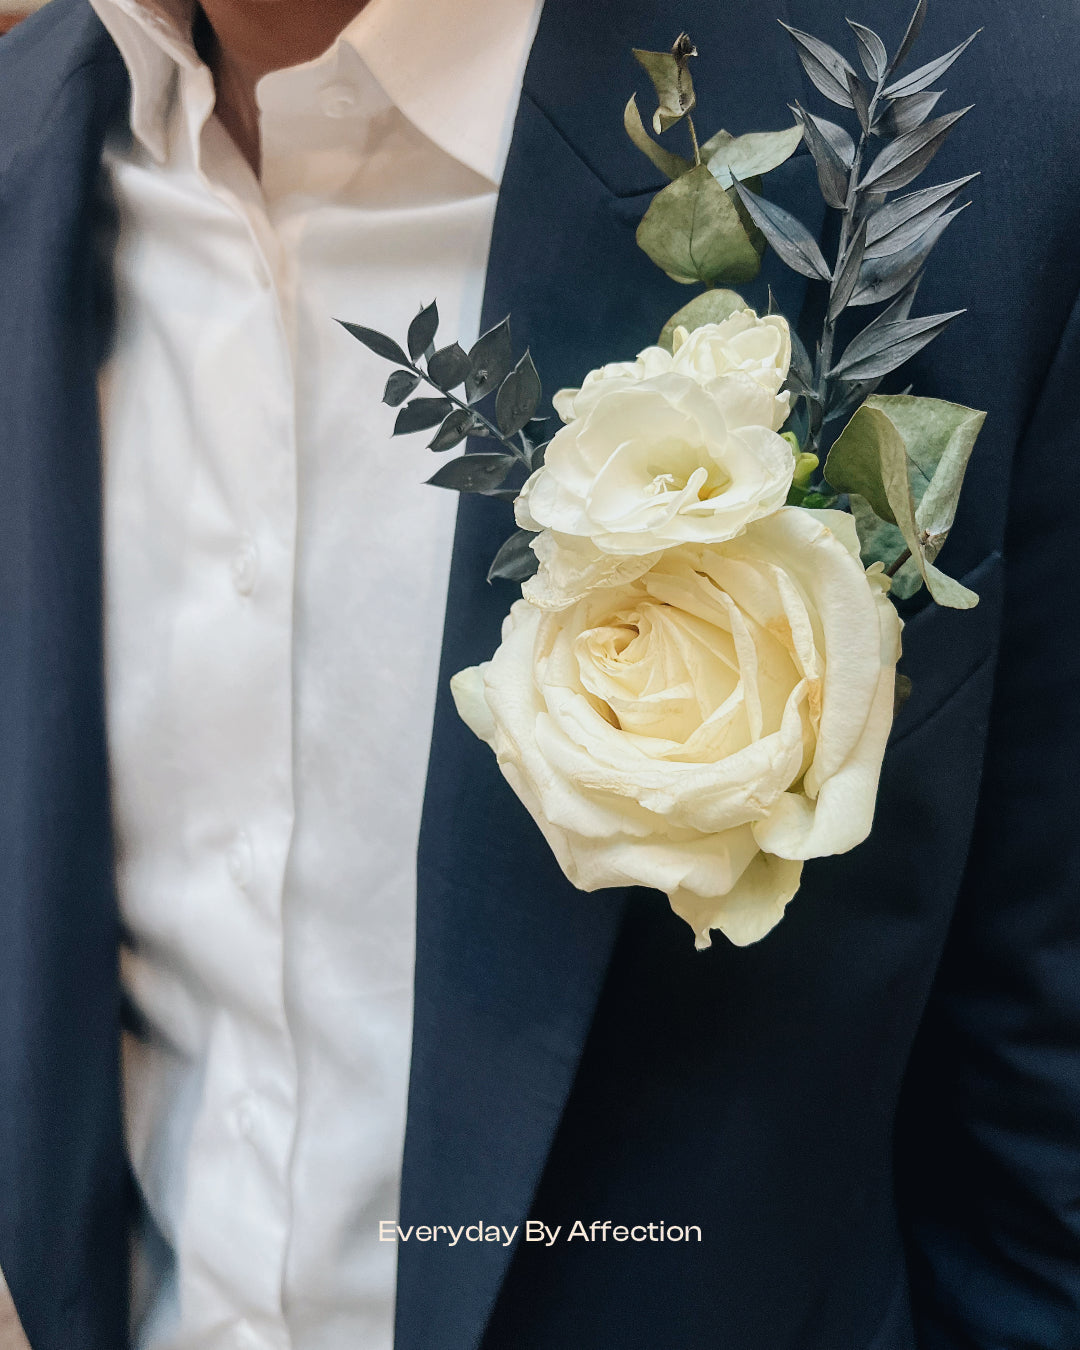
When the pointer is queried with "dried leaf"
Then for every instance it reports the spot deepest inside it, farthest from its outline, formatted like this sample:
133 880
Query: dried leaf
474 473
422 331
901 221
882 278
872 51
926 75
889 345
421 414
838 138
448 366
515 561
792 241
670 74
904 159
692 231
913 29
905 113
831 170
399 386
847 274
490 359
518 397
453 431
827 69
377 342
671 165
860 98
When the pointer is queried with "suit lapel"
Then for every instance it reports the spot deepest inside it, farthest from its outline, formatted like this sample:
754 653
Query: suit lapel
63 1233
510 958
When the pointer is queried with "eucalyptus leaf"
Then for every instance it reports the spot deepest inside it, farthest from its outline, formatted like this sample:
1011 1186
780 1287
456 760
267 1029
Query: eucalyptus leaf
914 28
482 473
692 231
907 456
889 346
832 172
827 69
399 386
792 241
904 159
925 76
903 114
515 561
422 330
756 153
872 51
490 359
671 165
847 274
901 221
377 342
453 431
518 397
712 306
421 414
448 366
670 74
882 278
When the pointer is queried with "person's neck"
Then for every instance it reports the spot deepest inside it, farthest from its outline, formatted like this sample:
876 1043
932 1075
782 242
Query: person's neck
245 39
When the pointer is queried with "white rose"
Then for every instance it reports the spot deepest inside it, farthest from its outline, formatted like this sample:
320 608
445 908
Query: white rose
760 348
706 727
662 461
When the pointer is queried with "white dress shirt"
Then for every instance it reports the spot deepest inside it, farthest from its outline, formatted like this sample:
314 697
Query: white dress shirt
275 580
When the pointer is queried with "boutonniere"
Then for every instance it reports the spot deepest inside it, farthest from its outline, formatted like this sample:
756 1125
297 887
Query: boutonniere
695 692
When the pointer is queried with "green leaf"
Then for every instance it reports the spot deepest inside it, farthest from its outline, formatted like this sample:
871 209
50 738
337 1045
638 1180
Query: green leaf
907 457
490 359
518 397
515 561
422 330
377 342
751 155
674 166
670 74
474 473
399 386
693 232
421 414
448 366
453 431
712 306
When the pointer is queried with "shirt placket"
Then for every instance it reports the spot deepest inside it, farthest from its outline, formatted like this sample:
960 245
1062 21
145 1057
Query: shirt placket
237 1204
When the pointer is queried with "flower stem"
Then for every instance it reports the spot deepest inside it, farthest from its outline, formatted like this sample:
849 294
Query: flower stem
896 565
493 430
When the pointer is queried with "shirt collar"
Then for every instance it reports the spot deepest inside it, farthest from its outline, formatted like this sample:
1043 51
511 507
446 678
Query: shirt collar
452 67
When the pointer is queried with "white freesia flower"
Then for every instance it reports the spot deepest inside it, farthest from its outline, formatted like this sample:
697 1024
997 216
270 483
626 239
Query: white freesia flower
662 461
760 348
571 403
705 727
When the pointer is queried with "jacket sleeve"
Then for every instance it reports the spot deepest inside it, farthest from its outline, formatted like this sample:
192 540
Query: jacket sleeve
988 1141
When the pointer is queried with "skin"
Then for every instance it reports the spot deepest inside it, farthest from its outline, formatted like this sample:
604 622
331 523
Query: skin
249 38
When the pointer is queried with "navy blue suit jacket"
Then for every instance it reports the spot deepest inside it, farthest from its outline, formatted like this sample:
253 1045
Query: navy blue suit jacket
874 1114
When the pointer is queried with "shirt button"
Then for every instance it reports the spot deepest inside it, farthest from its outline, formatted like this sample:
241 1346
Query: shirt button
245 567
238 860
338 100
